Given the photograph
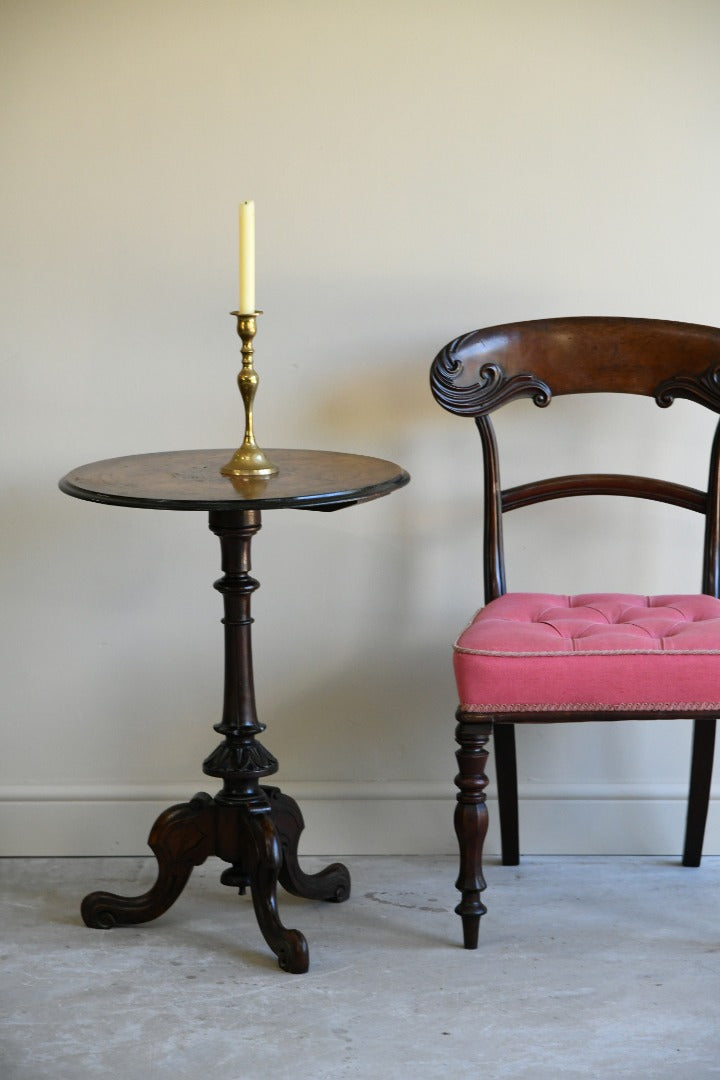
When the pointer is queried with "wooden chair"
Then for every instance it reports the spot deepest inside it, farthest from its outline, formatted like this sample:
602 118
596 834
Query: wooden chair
540 658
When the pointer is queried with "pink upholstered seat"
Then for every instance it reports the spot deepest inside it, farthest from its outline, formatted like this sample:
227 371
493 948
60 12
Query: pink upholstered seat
595 652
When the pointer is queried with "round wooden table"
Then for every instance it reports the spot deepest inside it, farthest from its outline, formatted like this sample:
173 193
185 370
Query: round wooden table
253 827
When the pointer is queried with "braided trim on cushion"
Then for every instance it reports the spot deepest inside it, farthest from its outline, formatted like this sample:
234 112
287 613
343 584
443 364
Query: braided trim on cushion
588 652
635 706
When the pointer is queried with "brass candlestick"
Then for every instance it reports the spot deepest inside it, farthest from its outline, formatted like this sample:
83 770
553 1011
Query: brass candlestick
248 459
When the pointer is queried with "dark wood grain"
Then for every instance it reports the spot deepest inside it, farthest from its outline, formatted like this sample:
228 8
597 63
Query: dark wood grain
191 480
471 823
638 487
493 546
544 358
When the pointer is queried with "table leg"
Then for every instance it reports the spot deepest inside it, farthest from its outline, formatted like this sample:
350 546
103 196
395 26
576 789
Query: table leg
261 855
332 883
181 838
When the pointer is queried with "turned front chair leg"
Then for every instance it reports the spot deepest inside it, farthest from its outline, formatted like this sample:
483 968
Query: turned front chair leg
471 822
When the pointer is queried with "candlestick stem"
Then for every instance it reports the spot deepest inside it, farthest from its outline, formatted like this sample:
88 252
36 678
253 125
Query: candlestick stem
248 459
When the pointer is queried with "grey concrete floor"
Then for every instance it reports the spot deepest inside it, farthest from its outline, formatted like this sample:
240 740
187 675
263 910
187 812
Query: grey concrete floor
587 967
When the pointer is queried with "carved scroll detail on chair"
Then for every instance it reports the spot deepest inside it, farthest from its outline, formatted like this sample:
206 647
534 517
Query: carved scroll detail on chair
492 388
703 389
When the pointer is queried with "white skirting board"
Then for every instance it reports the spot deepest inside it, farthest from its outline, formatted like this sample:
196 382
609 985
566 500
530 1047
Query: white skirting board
363 818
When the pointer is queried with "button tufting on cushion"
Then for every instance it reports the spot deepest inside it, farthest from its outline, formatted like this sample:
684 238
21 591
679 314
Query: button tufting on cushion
614 651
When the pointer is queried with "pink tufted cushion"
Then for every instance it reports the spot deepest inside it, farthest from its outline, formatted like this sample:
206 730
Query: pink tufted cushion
540 652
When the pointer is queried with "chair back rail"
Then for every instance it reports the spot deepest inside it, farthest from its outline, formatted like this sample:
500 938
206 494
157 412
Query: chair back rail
639 487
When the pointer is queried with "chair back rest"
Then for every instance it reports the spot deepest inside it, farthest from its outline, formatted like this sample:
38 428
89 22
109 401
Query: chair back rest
481 371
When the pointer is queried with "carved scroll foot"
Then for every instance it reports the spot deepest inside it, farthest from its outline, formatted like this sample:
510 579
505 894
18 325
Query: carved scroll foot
181 838
471 822
332 883
265 862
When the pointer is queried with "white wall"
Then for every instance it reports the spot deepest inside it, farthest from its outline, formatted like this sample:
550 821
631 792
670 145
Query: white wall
419 170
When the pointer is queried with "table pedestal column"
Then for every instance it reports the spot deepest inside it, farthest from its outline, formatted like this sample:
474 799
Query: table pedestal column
254 828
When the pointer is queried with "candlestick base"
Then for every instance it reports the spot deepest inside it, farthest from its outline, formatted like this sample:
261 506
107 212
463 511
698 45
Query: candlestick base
248 460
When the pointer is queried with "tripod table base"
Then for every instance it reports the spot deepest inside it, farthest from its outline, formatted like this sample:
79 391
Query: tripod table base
259 838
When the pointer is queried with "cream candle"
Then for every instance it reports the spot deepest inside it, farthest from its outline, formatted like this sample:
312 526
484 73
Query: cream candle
246 304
